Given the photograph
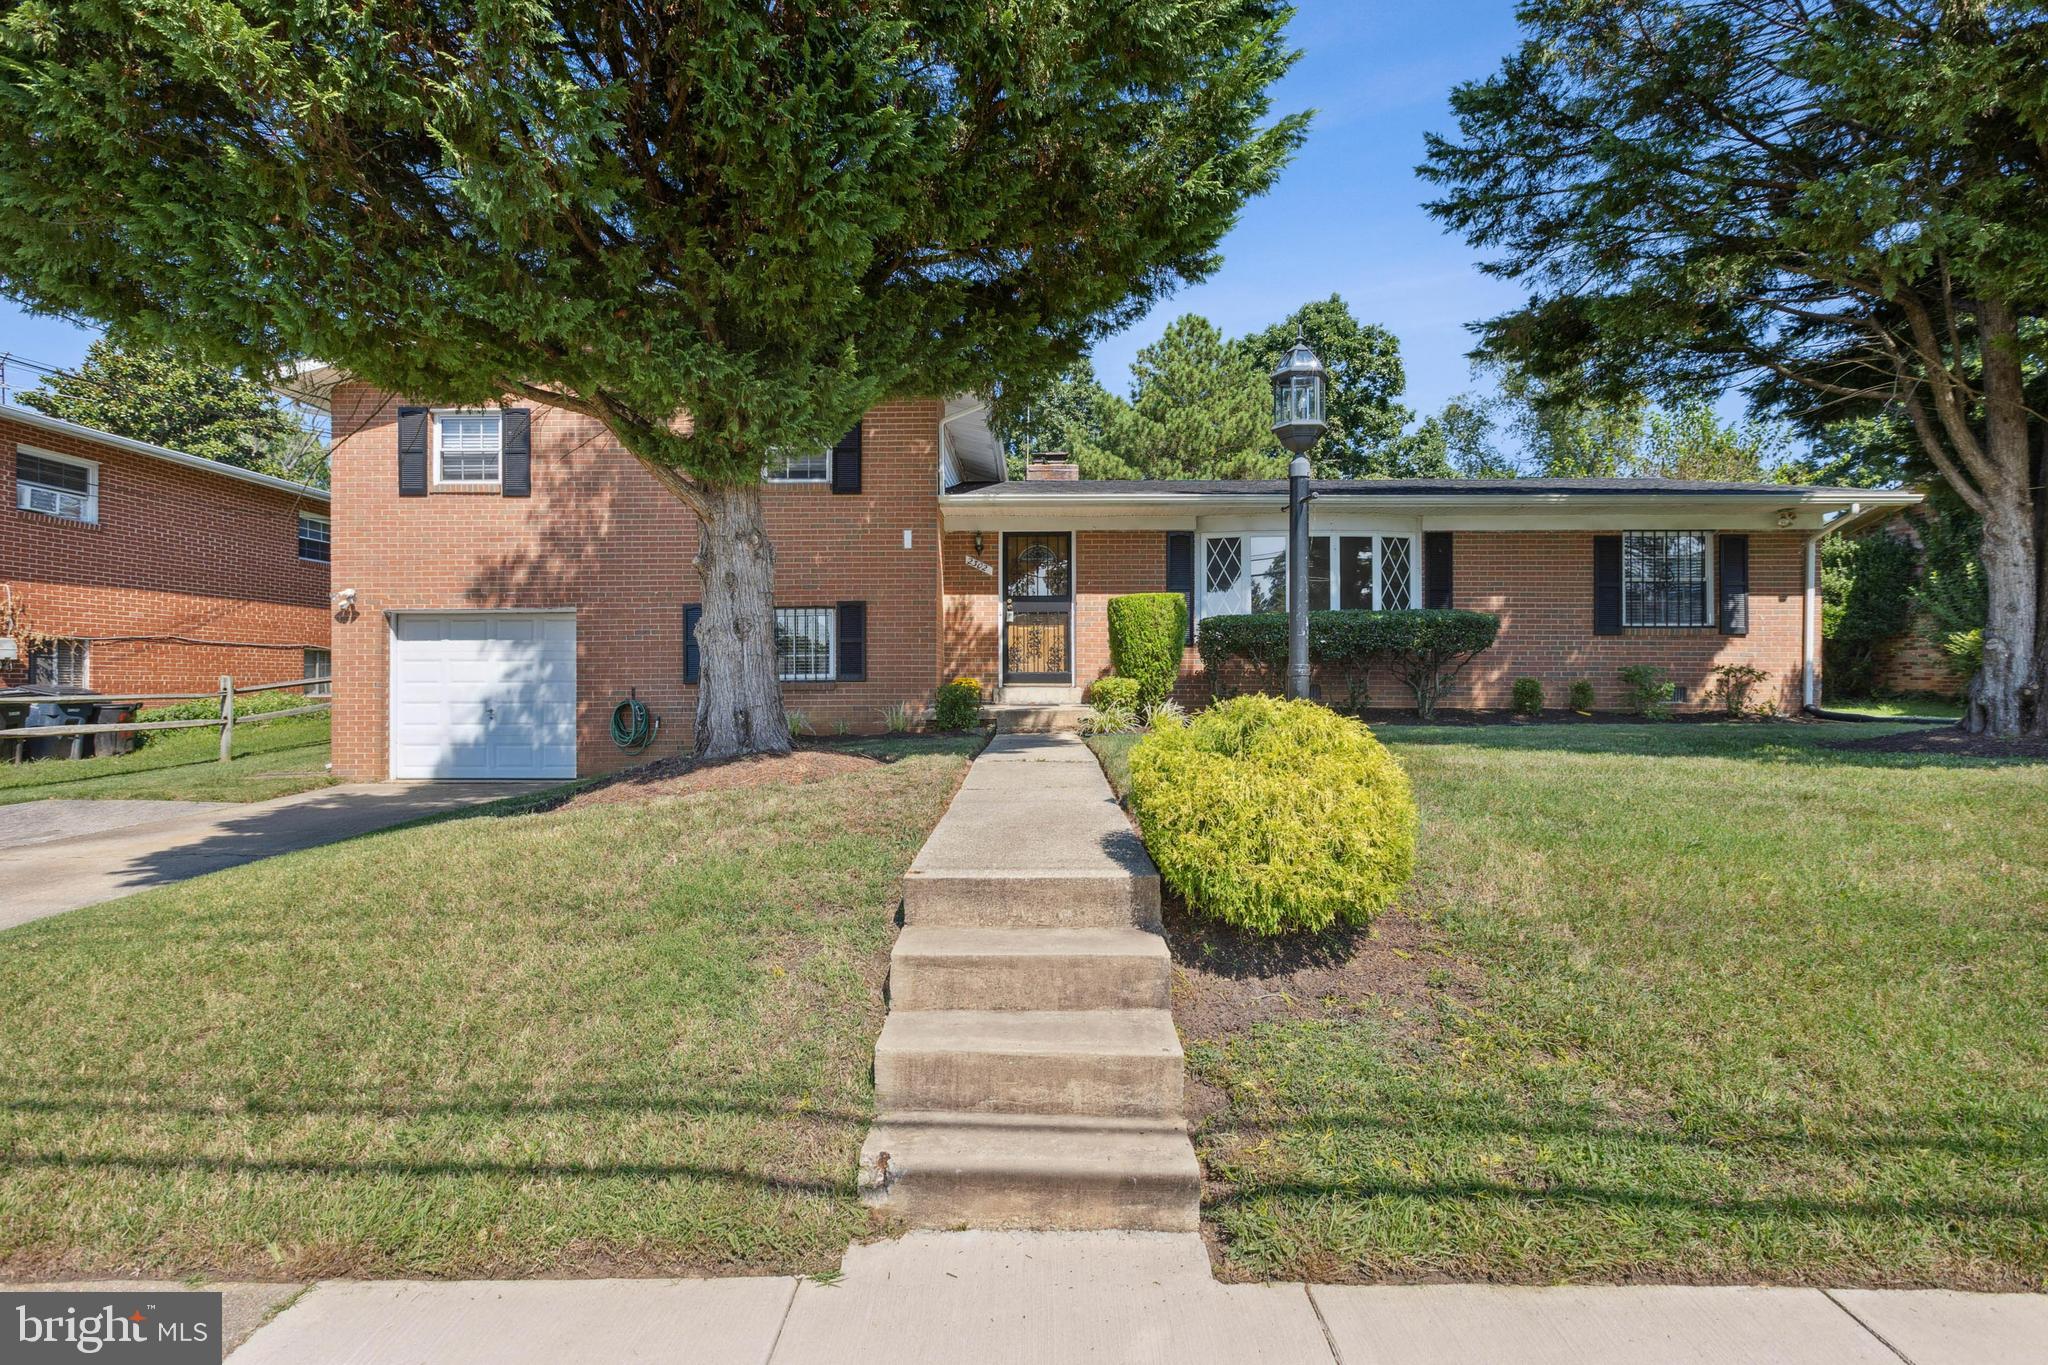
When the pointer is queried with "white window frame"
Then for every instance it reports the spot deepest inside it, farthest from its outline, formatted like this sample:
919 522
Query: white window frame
89 514
1205 607
769 475
327 540
84 662
831 673
1709 596
325 689
441 477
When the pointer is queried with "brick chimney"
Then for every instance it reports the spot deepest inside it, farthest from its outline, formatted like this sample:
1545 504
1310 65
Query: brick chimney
1053 464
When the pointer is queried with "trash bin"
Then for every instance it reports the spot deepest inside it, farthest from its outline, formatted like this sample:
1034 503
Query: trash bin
114 713
13 716
50 706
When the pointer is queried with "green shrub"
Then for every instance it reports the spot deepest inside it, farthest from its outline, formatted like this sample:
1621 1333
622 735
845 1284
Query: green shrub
1275 816
959 705
1529 696
1582 697
1732 685
1649 691
1427 648
1867 585
1114 706
1147 634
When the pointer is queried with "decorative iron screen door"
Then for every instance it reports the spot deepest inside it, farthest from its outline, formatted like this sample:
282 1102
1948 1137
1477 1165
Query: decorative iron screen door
1038 606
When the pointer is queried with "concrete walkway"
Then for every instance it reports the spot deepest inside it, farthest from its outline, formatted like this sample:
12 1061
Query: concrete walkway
47 876
1029 1075
1023 1298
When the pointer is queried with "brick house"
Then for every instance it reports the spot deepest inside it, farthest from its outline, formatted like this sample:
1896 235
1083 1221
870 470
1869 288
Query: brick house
515 576
155 571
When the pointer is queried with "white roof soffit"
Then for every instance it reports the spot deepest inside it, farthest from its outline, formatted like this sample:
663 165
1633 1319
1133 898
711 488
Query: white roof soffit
975 450
32 418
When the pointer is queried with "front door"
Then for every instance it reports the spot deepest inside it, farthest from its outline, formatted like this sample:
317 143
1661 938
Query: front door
1038 606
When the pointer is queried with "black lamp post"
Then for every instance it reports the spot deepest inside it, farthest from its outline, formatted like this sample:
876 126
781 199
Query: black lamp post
1299 382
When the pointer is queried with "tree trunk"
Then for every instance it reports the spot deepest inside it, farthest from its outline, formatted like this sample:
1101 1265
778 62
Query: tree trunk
2007 675
739 700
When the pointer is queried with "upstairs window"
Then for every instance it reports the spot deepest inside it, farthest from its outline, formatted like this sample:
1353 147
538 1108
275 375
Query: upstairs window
60 663
56 485
468 447
804 644
1664 578
808 468
315 537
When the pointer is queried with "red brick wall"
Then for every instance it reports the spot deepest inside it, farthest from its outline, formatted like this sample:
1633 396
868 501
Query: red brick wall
185 576
1910 664
601 536
1540 583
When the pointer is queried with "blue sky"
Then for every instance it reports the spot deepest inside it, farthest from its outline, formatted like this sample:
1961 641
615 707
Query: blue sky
1346 217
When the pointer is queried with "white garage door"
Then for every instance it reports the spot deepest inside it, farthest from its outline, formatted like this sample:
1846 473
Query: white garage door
483 695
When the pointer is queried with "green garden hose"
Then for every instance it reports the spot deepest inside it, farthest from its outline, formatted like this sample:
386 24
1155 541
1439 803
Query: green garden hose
633 725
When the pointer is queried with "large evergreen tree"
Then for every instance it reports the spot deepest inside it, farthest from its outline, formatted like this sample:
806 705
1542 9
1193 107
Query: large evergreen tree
1838 201
155 395
761 216
1200 408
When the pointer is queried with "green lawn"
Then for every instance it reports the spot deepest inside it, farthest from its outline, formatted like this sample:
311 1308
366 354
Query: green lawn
272 758
628 1039
1708 1003
1887 707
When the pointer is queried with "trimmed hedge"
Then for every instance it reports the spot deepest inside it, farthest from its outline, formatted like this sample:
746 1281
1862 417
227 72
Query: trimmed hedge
1428 648
1147 631
1275 816
958 706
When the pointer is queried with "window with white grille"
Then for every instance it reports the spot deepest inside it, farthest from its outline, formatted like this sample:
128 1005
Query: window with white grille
1248 573
56 485
316 537
468 446
319 663
804 644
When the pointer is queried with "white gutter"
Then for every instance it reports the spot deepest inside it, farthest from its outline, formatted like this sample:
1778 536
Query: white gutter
1809 625
30 417
1464 501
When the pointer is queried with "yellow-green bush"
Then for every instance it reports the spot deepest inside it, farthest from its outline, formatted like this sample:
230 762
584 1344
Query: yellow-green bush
1275 816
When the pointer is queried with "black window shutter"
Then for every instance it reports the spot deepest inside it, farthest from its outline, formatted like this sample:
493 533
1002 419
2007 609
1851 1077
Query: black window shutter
1607 585
515 469
1180 571
852 621
1733 554
691 660
846 462
412 452
1436 570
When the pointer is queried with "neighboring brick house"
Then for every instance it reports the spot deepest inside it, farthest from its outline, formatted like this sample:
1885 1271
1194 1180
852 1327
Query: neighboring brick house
154 571
515 575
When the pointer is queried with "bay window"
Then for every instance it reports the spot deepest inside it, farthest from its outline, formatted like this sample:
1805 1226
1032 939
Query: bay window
1242 573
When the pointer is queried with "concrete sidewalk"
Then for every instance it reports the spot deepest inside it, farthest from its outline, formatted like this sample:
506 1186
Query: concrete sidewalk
1020 1298
49 876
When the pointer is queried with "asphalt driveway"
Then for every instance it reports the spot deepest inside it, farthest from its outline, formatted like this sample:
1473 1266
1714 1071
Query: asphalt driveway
55 856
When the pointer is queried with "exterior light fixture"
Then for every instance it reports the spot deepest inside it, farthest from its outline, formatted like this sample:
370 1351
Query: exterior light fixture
1300 387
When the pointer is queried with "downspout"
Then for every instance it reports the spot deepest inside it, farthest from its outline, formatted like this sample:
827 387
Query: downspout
939 545
1809 626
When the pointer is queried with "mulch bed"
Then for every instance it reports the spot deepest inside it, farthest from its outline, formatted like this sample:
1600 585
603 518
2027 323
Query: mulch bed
814 760
1225 982
1948 741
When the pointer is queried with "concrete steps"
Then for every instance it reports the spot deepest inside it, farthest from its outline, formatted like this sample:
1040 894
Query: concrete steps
1029 1074
1098 1063
964 968
1004 1170
1036 718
